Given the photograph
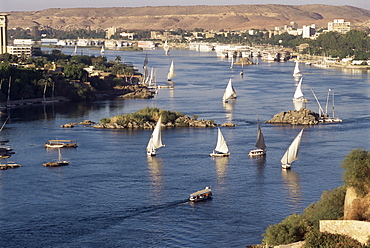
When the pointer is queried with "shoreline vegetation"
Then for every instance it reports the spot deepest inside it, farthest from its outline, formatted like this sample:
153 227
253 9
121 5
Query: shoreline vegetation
147 118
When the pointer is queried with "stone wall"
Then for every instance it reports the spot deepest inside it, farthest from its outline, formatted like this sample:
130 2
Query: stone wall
359 230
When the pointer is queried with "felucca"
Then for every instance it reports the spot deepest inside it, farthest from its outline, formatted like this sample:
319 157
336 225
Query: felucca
298 94
155 140
229 92
221 149
291 153
260 143
296 71
171 72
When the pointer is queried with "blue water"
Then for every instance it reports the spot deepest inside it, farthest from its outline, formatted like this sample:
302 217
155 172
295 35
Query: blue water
112 195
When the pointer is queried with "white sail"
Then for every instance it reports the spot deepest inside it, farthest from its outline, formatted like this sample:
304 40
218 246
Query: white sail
232 63
221 143
229 92
297 72
171 72
260 142
75 51
298 94
155 141
291 153
102 50
166 47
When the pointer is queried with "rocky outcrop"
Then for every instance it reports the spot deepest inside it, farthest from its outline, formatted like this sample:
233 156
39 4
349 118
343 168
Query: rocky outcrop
83 123
244 61
296 117
355 207
134 91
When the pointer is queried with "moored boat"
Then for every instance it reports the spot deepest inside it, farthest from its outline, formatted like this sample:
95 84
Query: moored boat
57 163
60 143
201 195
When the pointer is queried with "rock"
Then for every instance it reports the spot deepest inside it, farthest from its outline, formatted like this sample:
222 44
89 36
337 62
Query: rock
355 207
296 117
244 61
228 124
68 125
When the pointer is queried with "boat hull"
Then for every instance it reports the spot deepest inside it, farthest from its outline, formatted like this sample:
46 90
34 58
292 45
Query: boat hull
201 195
285 166
257 152
56 164
219 154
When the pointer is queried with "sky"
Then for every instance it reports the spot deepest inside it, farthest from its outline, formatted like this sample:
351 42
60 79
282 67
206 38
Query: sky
34 5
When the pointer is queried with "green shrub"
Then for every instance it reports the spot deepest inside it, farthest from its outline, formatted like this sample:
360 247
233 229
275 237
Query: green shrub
330 207
290 230
357 174
318 239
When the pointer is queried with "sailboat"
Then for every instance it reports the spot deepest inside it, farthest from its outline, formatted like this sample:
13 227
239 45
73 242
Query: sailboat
102 51
229 92
155 141
260 143
291 153
296 71
232 63
298 94
166 47
171 72
59 162
221 149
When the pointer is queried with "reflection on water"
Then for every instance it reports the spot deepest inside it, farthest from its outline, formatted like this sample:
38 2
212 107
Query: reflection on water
155 169
260 162
221 164
229 108
291 184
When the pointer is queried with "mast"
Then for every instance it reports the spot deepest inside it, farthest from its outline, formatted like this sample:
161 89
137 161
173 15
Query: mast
320 108
327 102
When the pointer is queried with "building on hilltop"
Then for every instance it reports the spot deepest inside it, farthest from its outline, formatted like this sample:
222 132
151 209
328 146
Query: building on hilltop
339 25
3 33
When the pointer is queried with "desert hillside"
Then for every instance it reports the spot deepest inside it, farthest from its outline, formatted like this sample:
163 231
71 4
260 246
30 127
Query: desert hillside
232 17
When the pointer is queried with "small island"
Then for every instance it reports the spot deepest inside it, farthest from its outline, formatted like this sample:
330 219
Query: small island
296 117
146 118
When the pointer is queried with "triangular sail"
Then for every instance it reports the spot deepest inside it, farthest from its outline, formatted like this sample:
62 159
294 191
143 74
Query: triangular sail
229 91
296 71
155 141
298 92
221 143
291 153
260 142
166 47
171 72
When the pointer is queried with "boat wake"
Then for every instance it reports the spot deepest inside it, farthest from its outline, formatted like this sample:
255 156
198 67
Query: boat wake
152 208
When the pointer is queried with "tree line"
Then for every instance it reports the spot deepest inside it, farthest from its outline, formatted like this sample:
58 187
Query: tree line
64 73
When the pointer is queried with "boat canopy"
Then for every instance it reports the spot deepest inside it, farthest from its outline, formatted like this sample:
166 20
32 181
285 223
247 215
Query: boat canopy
201 192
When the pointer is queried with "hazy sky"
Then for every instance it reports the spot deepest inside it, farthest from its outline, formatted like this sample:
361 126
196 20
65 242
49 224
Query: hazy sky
30 5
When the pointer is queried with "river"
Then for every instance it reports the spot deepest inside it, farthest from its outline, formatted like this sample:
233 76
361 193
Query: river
112 195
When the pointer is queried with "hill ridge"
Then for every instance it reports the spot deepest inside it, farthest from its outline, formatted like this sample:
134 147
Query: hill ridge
228 17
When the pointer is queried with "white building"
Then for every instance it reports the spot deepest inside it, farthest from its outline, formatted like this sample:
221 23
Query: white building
308 31
339 25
